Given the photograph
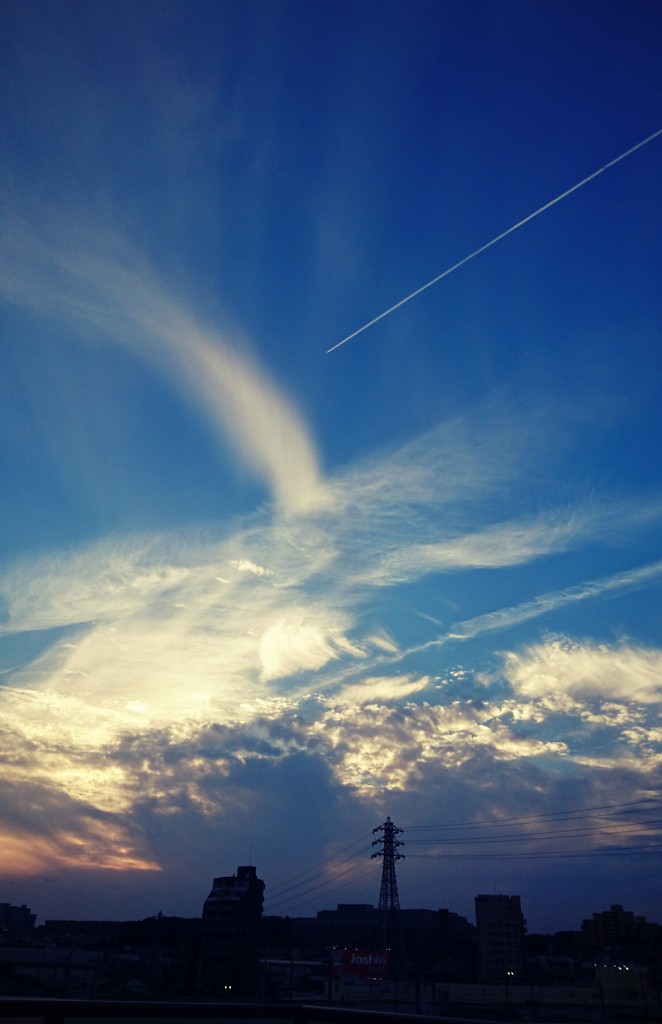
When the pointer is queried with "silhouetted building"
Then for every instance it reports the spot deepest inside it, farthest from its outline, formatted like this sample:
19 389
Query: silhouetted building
351 925
437 943
616 928
501 931
80 934
16 923
230 937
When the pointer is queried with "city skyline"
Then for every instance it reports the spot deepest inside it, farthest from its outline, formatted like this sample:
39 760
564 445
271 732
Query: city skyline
595 916
261 588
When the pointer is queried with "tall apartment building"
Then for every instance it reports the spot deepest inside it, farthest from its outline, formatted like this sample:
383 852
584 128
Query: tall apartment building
501 930
617 927
230 936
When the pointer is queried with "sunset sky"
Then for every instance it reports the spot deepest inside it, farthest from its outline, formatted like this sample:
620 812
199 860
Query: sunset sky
255 595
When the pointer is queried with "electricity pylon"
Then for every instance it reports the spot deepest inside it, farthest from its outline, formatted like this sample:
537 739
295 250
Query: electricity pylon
389 902
388 894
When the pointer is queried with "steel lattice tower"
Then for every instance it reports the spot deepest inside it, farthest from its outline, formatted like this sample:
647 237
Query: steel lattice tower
388 894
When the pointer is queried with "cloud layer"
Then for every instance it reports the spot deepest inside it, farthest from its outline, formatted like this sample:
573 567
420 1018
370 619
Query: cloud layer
278 680
192 677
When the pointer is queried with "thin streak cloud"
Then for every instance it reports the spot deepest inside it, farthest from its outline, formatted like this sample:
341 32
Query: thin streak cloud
497 238
507 617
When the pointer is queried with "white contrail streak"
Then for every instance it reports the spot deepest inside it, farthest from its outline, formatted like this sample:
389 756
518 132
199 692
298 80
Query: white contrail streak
488 245
505 618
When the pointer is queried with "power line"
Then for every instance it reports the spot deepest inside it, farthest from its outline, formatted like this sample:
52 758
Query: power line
619 828
306 886
633 807
357 871
295 889
287 885
615 851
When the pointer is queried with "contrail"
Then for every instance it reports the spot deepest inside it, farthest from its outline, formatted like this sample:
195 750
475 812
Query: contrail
488 245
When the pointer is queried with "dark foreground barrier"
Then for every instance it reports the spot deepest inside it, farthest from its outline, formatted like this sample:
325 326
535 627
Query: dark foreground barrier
57 1011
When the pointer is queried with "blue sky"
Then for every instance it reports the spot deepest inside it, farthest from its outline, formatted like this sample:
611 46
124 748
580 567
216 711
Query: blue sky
257 596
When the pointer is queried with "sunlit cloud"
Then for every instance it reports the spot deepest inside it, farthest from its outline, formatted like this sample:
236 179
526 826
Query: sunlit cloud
42 827
175 625
586 670
300 641
394 748
376 691
389 734
245 565
168 669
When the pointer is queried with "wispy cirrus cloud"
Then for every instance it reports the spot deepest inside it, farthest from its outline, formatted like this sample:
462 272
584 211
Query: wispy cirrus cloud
278 597
96 282
380 690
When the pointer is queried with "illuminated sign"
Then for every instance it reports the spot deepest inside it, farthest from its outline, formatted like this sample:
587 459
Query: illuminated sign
362 963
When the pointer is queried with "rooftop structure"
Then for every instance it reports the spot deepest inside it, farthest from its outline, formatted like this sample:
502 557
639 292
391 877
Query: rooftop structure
230 938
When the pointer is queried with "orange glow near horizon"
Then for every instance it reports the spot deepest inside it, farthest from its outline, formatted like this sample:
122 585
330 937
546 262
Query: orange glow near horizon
26 854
